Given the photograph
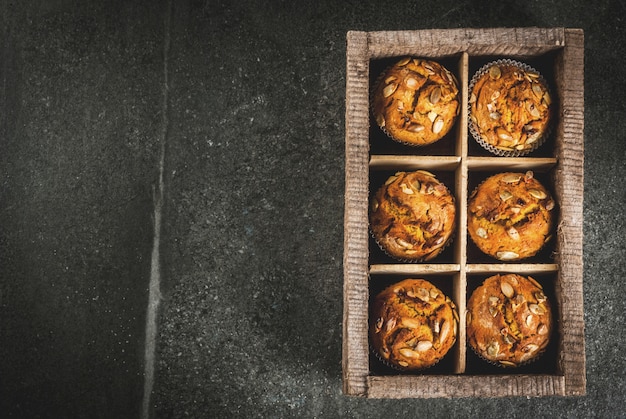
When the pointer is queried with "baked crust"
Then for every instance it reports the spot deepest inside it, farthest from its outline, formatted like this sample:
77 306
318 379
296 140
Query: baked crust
412 324
510 107
509 320
412 216
416 101
510 216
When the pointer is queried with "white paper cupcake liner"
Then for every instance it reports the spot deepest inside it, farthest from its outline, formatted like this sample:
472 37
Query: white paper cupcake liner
474 130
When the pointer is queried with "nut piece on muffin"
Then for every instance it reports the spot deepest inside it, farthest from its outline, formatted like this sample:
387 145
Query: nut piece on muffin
509 320
510 108
416 101
412 216
412 325
510 216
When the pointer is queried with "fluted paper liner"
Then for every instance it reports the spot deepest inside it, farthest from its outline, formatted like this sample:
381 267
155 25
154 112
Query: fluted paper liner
474 130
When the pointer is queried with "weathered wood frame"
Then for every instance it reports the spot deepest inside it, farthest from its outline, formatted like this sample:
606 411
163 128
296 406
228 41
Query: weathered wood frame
566 166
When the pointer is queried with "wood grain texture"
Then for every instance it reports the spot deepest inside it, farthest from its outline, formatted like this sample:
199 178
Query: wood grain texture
512 42
414 269
355 290
461 176
429 386
565 166
520 268
388 162
569 182
540 164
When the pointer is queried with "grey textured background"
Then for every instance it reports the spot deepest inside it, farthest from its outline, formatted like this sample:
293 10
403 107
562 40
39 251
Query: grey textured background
250 321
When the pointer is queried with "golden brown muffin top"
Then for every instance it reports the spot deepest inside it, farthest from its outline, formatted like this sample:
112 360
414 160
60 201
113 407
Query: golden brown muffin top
510 107
412 324
412 216
416 101
509 320
510 216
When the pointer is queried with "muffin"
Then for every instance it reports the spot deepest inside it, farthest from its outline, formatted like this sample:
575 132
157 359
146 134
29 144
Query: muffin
510 216
509 108
509 321
412 216
412 325
416 101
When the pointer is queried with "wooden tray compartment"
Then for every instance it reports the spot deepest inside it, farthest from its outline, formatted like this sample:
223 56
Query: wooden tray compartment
462 164
547 363
445 281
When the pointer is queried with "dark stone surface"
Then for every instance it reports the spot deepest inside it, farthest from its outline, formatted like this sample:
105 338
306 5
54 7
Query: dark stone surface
79 107
250 322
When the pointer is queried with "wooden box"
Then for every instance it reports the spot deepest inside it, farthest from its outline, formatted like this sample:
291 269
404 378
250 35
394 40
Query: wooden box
558 54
